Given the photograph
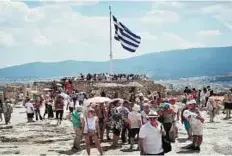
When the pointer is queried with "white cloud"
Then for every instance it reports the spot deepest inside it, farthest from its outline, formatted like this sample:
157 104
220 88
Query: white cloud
70 2
6 38
160 17
168 4
51 24
221 12
212 9
148 37
209 33
178 42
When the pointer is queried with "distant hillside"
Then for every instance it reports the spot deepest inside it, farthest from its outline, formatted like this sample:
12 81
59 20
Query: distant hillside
170 65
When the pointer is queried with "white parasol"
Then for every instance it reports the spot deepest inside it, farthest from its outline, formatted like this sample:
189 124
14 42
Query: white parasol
46 89
117 99
58 84
95 100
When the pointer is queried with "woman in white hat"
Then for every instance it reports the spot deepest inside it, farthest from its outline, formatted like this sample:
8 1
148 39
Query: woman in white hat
134 118
196 123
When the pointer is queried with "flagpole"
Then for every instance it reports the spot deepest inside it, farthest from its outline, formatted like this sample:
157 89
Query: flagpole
111 54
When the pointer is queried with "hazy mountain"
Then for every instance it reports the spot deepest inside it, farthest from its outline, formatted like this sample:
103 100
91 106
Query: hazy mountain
169 64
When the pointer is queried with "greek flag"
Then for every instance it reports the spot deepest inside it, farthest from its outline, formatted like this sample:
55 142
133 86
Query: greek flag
128 40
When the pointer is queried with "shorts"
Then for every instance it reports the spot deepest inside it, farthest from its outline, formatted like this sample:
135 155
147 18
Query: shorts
133 132
228 105
116 131
30 115
187 125
197 129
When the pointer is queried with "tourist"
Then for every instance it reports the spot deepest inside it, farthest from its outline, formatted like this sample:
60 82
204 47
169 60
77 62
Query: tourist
176 111
194 93
102 119
117 120
168 120
81 97
47 98
124 111
59 108
196 123
70 105
29 109
228 103
144 113
91 130
37 105
1 108
203 97
211 108
186 122
77 118
8 110
134 118
150 136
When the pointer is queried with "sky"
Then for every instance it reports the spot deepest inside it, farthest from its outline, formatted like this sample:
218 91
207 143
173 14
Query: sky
51 31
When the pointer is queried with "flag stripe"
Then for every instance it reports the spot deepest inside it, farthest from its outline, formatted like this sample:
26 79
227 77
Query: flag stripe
132 34
123 33
129 41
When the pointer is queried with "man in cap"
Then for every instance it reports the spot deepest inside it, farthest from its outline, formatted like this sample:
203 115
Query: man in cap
150 136
196 123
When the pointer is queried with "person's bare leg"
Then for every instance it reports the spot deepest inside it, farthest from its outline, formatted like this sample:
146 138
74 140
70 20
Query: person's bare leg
115 140
97 144
199 140
87 144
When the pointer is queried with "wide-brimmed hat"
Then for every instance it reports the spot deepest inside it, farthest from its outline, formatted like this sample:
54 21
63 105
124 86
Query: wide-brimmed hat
153 114
136 108
191 102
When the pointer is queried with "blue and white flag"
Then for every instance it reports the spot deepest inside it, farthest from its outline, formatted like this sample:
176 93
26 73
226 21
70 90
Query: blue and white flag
128 40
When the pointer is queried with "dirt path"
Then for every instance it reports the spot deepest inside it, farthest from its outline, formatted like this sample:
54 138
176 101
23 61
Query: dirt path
45 137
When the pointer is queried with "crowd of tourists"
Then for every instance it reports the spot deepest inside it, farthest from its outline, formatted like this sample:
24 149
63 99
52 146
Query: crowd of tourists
148 120
108 77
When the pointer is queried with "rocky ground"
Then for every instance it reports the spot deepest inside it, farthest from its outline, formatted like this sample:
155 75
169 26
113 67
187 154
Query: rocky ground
46 138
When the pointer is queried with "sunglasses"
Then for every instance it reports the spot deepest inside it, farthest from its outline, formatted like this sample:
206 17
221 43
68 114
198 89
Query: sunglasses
155 118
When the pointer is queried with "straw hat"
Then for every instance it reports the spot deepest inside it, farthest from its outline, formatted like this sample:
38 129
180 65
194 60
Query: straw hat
136 108
191 102
153 114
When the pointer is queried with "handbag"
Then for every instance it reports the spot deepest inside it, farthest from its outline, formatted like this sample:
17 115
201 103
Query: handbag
91 132
167 147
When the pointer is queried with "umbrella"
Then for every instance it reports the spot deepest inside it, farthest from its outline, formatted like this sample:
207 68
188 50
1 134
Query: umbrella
96 100
117 99
34 91
46 89
58 84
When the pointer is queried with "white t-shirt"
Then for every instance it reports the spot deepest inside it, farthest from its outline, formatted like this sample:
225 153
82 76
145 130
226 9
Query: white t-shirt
152 143
144 119
134 118
70 103
90 123
193 117
29 107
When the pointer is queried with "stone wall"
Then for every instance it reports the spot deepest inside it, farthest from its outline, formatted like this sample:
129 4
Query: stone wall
90 86
123 92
